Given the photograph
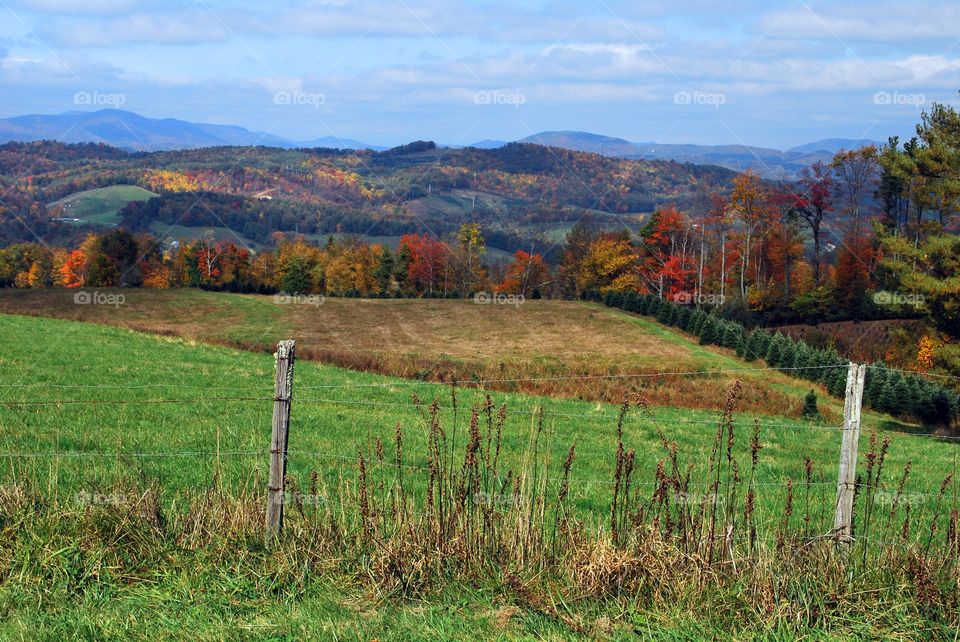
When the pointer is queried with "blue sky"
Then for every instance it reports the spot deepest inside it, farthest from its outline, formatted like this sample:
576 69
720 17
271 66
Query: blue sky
773 74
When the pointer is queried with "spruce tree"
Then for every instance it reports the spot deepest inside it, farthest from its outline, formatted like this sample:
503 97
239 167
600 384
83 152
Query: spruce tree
773 352
801 359
873 386
788 352
810 410
708 331
837 381
739 340
750 352
696 325
653 308
663 312
763 343
902 392
892 397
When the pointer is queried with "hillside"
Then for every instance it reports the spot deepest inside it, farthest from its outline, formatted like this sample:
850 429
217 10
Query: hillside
519 194
152 452
99 206
133 132
441 340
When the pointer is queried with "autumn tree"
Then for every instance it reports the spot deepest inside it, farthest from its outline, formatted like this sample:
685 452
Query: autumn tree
856 178
610 264
525 275
352 270
72 273
748 203
113 261
427 268
467 258
855 262
575 251
812 204
667 256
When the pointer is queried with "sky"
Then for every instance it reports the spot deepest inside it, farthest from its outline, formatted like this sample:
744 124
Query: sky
766 73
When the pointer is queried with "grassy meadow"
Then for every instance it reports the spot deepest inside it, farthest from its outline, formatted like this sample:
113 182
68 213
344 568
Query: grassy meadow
123 443
100 206
112 439
540 342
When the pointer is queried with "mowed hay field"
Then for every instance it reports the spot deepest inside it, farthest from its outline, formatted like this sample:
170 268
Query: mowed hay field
95 418
541 343
100 206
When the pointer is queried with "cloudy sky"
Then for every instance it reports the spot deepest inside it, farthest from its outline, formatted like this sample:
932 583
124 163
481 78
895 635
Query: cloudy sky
765 73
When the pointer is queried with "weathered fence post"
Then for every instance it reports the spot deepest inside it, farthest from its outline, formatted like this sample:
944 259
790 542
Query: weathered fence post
283 390
847 477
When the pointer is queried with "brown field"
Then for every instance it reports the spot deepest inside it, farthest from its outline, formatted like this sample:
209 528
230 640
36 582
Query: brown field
445 340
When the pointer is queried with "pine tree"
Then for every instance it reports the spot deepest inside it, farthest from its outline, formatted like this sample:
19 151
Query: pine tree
801 359
830 362
888 400
902 392
645 301
873 386
787 353
836 381
653 308
663 312
918 395
739 340
774 351
708 331
750 352
763 343
810 410
696 322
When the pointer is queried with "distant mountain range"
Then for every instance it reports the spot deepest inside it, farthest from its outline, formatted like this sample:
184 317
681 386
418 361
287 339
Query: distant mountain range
134 132
770 163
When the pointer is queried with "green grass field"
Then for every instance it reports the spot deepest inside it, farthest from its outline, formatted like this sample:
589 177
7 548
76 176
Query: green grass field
335 412
196 440
442 339
100 206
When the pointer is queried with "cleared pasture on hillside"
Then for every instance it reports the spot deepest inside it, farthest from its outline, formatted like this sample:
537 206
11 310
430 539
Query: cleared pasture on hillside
133 467
439 340
122 406
99 206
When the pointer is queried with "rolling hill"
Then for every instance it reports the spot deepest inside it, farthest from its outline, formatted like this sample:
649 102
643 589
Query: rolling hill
521 195
136 477
442 339
100 206
132 132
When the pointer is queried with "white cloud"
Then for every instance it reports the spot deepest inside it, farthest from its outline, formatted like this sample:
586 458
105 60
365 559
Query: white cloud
904 22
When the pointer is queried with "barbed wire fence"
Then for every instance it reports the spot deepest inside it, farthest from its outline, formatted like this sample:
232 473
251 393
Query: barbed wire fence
283 399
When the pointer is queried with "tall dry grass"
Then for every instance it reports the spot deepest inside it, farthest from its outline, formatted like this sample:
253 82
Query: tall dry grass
679 538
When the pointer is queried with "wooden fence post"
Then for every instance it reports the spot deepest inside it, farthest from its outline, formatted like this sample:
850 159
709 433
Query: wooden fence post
283 390
847 477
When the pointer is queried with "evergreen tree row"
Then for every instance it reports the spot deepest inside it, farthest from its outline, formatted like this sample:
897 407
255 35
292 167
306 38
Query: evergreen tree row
889 391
